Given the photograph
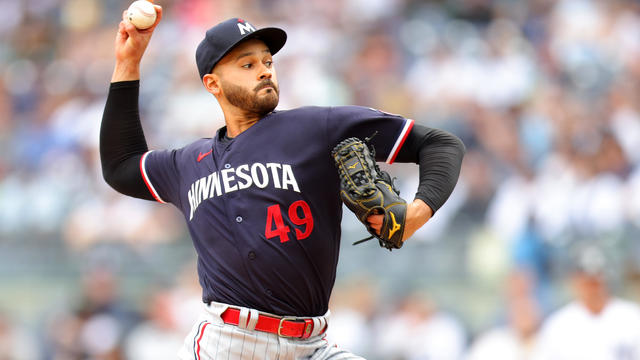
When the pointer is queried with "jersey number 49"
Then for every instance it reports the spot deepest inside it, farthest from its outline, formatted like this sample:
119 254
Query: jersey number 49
275 224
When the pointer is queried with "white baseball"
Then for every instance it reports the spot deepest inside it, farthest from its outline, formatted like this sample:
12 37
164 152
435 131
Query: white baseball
141 14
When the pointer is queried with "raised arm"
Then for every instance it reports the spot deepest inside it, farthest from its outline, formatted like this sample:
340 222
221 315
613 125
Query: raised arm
122 141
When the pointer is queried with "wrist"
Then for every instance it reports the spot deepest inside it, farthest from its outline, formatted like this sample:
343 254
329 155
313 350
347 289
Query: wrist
126 70
421 210
418 213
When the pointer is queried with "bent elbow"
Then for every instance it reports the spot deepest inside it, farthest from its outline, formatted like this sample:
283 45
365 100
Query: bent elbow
459 145
454 143
109 176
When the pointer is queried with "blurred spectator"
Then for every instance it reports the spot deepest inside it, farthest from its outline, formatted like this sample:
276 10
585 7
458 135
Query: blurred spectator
353 307
186 297
15 342
158 336
416 329
96 327
596 325
515 340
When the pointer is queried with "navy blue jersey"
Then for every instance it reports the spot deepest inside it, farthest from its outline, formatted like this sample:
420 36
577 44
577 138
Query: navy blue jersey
263 209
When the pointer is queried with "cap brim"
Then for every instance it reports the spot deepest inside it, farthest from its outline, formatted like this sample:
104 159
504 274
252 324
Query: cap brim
274 38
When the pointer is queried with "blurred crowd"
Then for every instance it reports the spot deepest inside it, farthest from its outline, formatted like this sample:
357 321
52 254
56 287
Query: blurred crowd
544 93
98 323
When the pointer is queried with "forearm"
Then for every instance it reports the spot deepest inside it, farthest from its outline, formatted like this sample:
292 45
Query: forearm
439 166
122 141
439 156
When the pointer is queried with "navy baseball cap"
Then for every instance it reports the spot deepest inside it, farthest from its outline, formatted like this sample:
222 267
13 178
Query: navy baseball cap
220 39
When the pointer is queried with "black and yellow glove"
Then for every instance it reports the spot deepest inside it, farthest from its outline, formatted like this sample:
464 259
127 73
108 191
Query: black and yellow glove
366 190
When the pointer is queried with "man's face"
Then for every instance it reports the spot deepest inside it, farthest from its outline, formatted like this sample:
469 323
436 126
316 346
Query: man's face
247 78
589 286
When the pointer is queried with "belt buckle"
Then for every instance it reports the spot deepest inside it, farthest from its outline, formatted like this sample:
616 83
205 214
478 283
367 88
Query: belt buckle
283 319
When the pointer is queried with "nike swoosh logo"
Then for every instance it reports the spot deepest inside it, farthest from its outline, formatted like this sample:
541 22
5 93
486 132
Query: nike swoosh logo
352 166
202 156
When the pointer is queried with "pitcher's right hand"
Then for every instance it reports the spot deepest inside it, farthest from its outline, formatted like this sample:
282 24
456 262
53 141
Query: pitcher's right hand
130 45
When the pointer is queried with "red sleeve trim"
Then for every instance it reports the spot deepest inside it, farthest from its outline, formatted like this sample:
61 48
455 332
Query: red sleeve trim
145 177
400 141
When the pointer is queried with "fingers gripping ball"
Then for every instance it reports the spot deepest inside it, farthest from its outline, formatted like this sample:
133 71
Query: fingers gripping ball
366 190
141 14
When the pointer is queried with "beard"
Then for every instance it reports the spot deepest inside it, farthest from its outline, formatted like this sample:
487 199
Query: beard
249 100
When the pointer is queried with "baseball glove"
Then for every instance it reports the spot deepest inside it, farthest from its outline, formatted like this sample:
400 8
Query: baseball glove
367 190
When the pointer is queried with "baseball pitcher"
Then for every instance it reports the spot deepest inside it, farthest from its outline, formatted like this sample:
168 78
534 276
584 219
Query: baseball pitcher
262 197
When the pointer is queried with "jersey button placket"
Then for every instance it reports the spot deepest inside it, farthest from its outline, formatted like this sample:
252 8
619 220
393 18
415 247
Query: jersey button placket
252 255
238 219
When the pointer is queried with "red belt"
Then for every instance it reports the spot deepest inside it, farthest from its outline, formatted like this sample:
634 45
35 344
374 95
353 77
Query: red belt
285 326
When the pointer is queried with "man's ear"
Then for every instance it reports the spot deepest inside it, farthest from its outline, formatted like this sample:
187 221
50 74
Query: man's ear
212 83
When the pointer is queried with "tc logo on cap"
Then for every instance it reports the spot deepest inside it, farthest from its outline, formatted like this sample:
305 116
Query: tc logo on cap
245 27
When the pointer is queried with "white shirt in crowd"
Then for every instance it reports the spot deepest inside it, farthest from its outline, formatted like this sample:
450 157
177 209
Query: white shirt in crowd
573 332
501 343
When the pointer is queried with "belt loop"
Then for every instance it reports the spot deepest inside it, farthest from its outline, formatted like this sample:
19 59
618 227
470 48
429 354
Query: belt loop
242 319
253 319
317 326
